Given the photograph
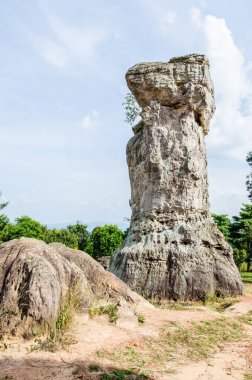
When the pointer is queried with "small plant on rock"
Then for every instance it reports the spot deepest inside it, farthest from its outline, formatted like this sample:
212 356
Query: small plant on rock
110 310
141 318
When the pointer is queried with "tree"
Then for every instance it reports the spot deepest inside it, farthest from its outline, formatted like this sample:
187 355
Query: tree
241 232
239 256
63 236
238 233
4 220
104 241
81 232
132 110
125 233
24 227
223 223
3 205
72 237
249 176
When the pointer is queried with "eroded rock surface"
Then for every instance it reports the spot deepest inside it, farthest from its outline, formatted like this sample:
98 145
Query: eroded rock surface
173 249
35 276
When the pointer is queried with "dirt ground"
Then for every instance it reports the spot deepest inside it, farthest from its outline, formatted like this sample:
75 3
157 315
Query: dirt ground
232 360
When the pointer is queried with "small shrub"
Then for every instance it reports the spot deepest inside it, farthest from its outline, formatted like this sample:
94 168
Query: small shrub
94 367
123 374
106 376
141 318
110 310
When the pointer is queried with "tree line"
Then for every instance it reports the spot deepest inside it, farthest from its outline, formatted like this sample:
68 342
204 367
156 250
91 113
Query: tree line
104 240
238 232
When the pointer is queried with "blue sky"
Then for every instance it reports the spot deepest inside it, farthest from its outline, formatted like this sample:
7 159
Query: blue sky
62 129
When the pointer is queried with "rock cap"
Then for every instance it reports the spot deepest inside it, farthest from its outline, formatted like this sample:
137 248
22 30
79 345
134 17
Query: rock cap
183 84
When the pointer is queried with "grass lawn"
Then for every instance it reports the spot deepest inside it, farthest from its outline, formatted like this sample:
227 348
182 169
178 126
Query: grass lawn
246 277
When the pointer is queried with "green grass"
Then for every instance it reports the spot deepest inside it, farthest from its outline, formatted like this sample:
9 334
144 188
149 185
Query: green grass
94 367
246 277
110 310
82 371
125 374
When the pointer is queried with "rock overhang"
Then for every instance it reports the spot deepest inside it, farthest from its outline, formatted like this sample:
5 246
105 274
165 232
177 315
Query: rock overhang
182 83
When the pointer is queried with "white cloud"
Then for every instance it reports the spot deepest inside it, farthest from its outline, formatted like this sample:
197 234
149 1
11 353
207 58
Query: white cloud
89 120
196 17
71 44
231 132
78 41
167 20
51 51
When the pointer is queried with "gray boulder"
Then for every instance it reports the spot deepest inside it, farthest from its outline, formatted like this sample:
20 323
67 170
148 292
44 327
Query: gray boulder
35 276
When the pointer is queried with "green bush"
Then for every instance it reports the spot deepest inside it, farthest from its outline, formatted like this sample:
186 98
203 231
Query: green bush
104 241
61 236
24 227
82 234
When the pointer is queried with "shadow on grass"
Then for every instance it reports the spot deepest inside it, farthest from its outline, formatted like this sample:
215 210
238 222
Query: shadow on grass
42 367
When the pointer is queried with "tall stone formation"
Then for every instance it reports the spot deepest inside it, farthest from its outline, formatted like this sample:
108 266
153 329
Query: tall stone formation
173 249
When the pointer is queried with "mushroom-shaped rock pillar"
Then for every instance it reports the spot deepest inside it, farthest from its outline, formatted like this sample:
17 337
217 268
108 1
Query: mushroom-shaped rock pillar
173 249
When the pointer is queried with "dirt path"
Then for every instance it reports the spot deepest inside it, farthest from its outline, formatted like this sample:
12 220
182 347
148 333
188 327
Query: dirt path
231 361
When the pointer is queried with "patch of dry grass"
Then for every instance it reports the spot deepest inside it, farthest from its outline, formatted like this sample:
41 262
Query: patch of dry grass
177 342
248 376
212 301
58 336
246 318
220 303
177 305
247 289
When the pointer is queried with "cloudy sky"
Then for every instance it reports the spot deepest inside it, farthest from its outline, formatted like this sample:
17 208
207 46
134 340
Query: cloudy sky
62 129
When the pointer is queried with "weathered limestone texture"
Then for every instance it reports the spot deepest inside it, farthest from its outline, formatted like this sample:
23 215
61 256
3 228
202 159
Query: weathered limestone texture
173 249
35 277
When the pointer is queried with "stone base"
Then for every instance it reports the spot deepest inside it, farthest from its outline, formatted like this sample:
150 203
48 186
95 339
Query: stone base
189 261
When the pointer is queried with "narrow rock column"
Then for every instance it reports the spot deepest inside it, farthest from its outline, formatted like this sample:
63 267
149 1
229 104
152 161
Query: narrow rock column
173 249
